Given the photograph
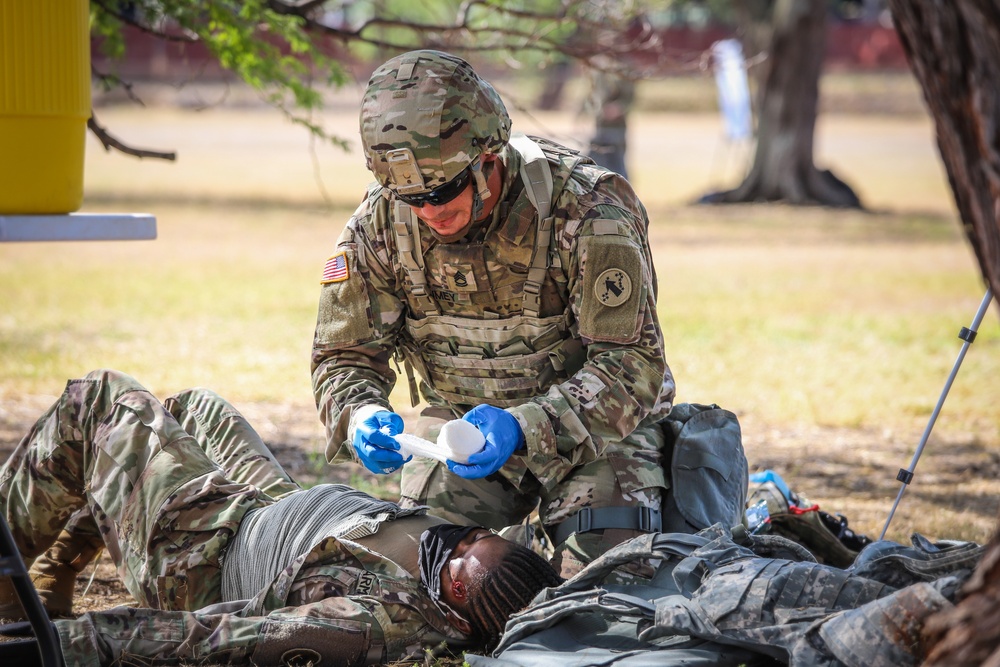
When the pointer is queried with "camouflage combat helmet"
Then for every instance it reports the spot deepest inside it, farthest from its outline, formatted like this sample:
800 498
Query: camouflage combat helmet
427 116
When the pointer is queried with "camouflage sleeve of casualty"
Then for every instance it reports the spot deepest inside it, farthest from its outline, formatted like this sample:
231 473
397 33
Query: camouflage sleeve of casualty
356 326
343 630
340 601
625 371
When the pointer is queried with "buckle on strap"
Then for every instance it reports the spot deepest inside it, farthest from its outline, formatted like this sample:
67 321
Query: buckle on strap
584 520
650 521
589 518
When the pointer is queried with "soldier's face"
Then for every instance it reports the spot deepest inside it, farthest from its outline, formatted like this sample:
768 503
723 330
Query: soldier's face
451 218
477 553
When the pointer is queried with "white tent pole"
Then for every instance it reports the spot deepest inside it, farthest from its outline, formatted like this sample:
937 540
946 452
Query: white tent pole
905 475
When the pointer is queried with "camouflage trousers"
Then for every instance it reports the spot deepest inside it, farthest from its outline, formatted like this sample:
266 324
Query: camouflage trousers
166 485
628 475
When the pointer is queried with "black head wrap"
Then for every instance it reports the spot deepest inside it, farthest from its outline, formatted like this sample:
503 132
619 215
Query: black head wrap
436 546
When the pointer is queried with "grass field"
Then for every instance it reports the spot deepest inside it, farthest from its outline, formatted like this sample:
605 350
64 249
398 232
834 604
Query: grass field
830 333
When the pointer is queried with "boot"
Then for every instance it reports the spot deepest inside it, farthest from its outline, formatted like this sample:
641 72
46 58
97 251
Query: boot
54 573
10 607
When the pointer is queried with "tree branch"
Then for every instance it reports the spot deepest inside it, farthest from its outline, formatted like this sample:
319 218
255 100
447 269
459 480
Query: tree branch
271 46
110 142
293 8
110 81
171 37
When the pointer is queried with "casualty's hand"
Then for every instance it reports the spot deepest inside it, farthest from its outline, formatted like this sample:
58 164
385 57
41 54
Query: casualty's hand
503 437
374 444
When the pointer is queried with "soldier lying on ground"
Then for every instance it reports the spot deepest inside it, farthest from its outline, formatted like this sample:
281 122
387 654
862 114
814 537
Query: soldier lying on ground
194 511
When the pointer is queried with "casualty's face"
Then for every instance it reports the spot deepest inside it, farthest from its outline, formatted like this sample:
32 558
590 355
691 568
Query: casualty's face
478 552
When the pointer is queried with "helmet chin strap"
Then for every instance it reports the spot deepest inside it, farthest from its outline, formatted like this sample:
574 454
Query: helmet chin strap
482 192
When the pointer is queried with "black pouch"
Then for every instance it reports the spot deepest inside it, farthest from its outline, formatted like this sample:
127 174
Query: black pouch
707 468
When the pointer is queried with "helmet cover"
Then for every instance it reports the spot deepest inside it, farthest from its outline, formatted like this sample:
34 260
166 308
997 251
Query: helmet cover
426 116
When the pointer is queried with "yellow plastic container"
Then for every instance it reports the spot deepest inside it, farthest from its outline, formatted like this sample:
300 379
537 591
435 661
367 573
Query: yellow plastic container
44 104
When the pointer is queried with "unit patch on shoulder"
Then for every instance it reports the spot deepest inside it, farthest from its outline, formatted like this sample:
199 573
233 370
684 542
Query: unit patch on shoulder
613 288
335 270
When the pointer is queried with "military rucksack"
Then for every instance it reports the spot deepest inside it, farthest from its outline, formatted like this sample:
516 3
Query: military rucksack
706 468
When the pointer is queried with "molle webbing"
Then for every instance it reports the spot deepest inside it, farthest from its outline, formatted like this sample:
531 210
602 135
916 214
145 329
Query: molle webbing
411 255
504 361
537 178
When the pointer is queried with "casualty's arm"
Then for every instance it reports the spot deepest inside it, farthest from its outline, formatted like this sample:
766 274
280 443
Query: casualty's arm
343 630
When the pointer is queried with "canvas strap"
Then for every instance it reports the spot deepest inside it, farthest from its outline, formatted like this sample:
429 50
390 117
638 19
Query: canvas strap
411 256
537 178
598 518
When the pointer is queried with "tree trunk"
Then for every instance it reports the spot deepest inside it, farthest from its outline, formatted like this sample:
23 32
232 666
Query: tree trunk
954 51
783 168
969 633
556 76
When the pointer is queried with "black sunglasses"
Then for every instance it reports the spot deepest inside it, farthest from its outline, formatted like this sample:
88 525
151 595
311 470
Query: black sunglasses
441 194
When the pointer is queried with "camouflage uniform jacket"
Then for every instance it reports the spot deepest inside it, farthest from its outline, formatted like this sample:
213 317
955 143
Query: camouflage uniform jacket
581 373
340 601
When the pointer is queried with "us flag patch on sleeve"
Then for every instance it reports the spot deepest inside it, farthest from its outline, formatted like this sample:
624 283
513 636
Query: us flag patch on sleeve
336 270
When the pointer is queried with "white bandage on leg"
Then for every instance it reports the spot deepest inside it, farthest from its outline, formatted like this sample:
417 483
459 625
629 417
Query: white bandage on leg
457 441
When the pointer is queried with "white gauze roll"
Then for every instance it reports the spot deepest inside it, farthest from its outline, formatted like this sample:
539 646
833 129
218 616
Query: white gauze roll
457 441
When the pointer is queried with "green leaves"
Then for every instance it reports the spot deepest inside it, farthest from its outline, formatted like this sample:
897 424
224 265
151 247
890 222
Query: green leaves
270 50
290 50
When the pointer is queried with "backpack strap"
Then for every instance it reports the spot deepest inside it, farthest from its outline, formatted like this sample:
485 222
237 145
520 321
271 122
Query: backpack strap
411 256
598 518
542 189
535 173
537 178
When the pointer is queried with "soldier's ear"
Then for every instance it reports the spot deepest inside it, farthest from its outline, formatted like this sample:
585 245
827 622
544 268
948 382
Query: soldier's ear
459 590
459 623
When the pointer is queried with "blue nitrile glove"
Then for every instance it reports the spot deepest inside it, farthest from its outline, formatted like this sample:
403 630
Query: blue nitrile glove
503 437
377 449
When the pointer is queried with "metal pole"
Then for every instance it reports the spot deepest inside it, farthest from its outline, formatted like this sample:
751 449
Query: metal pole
905 476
